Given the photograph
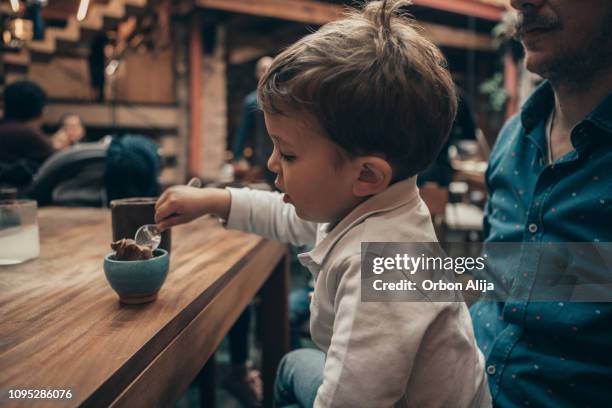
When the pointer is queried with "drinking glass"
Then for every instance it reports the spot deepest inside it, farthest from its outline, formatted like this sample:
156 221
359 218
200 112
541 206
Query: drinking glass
19 238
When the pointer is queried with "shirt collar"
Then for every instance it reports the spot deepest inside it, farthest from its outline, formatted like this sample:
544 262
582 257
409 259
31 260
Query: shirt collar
396 195
602 115
541 102
538 106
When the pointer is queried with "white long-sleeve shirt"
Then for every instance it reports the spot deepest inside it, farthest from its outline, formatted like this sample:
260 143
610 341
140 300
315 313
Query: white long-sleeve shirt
378 354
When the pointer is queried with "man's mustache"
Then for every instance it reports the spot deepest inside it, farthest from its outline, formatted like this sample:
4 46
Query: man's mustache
528 22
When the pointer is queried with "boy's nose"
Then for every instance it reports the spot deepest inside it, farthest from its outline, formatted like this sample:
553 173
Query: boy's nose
273 162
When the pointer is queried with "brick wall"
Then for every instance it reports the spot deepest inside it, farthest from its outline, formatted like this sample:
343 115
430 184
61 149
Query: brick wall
214 107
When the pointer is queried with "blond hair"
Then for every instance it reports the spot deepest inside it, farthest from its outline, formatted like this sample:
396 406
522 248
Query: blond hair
373 81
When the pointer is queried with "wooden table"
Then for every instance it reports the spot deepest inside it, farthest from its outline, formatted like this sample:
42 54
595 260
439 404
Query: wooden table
62 327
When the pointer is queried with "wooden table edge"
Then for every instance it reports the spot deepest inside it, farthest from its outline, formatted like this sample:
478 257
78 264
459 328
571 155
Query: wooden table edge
164 380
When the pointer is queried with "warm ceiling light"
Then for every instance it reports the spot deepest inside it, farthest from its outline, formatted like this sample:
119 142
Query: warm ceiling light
82 13
15 5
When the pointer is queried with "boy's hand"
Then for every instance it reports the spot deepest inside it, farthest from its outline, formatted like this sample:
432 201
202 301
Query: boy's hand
182 204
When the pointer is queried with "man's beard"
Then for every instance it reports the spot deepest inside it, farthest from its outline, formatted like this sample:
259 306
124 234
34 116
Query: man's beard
575 68
579 66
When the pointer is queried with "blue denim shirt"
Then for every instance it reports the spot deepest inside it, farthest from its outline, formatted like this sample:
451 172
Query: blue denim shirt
552 354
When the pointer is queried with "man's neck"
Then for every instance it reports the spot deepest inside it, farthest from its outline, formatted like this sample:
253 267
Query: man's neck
574 100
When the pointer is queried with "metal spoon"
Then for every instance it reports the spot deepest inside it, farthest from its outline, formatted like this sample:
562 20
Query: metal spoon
149 234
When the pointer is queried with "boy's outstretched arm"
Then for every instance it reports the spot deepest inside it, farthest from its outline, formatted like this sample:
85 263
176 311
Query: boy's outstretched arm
260 212
182 204
264 213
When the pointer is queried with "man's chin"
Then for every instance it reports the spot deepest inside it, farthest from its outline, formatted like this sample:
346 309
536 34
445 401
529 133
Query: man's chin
539 63
561 64
533 67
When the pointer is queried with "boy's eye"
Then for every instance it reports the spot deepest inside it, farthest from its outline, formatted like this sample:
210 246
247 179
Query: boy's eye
286 157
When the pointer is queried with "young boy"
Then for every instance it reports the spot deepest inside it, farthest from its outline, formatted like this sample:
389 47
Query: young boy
355 111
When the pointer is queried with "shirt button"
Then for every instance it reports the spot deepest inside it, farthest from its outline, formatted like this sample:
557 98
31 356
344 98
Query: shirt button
533 228
491 370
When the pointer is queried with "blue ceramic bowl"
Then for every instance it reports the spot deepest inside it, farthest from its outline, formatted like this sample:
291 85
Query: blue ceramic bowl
137 281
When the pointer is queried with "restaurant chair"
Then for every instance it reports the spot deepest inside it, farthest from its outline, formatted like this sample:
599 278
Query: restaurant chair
72 177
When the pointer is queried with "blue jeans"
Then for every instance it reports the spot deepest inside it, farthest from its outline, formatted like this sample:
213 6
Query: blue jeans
299 376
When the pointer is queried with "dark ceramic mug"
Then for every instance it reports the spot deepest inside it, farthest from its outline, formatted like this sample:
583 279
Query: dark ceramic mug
129 214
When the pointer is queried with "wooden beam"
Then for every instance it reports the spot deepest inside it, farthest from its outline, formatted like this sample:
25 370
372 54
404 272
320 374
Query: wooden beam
446 36
249 45
128 116
315 12
440 35
244 54
181 48
474 8
195 94
304 11
63 9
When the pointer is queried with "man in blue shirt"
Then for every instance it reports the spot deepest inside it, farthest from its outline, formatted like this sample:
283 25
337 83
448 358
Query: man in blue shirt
550 180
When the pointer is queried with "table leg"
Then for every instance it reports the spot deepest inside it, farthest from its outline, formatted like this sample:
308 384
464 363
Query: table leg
273 321
206 383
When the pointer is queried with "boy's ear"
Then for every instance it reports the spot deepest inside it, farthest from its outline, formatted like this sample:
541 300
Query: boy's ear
375 175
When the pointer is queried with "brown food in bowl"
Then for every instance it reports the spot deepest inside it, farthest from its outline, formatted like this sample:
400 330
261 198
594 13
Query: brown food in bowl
129 250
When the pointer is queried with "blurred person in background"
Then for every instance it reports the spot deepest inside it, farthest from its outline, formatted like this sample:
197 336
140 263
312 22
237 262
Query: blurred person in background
21 136
23 145
71 131
252 130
